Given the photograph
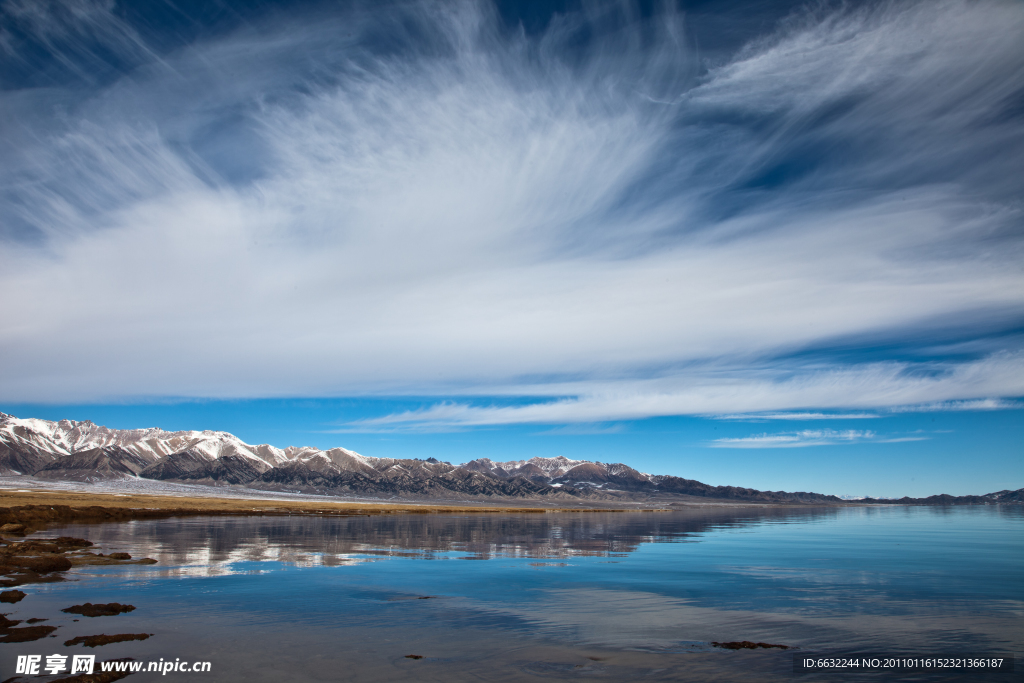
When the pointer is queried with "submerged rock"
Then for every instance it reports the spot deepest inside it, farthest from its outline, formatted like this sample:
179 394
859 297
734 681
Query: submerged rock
25 634
105 610
20 576
747 645
103 639
12 596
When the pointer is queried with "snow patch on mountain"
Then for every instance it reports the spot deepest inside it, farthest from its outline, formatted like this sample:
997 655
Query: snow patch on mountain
69 436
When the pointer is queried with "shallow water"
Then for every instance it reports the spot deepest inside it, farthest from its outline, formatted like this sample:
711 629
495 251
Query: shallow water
610 596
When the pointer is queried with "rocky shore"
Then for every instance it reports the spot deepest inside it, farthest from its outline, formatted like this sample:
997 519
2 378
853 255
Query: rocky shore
44 561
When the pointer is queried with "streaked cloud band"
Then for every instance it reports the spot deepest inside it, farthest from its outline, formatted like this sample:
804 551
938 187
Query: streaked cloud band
827 219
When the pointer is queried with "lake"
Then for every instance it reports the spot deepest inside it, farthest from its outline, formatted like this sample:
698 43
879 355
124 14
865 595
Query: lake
617 596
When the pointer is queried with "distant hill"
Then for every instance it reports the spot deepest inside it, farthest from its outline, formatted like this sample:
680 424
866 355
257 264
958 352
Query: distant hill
82 451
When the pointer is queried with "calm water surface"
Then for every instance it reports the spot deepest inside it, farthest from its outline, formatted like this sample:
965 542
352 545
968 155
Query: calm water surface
532 597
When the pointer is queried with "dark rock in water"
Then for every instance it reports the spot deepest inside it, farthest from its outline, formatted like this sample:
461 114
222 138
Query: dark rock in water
106 610
414 656
25 634
12 596
747 645
101 559
7 623
35 620
33 548
39 560
40 565
21 577
103 639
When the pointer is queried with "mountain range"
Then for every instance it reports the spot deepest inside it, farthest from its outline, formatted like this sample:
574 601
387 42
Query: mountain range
83 451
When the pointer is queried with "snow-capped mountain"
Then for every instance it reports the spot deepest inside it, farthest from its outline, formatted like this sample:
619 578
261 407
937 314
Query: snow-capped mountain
84 451
68 436
562 471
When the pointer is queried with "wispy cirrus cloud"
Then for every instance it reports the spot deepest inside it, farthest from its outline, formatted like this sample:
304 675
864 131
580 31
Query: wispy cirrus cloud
940 406
765 392
796 415
811 437
415 199
975 404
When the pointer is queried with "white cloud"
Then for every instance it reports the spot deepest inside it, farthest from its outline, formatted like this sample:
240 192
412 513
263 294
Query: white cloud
807 437
694 394
945 406
483 216
810 437
763 417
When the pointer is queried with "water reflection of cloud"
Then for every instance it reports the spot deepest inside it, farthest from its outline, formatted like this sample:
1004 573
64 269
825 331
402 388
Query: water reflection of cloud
815 575
649 621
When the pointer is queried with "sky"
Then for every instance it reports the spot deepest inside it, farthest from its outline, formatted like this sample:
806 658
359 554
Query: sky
767 244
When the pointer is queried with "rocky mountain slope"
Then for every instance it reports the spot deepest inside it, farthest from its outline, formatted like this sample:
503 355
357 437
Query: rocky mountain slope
82 451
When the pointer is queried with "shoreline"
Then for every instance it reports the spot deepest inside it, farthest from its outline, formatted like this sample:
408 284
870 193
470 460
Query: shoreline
36 508
187 505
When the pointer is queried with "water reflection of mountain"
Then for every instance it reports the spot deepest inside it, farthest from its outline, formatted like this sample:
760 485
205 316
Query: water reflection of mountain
209 544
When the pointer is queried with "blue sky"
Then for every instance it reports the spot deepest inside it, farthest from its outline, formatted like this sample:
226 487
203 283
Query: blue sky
765 244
